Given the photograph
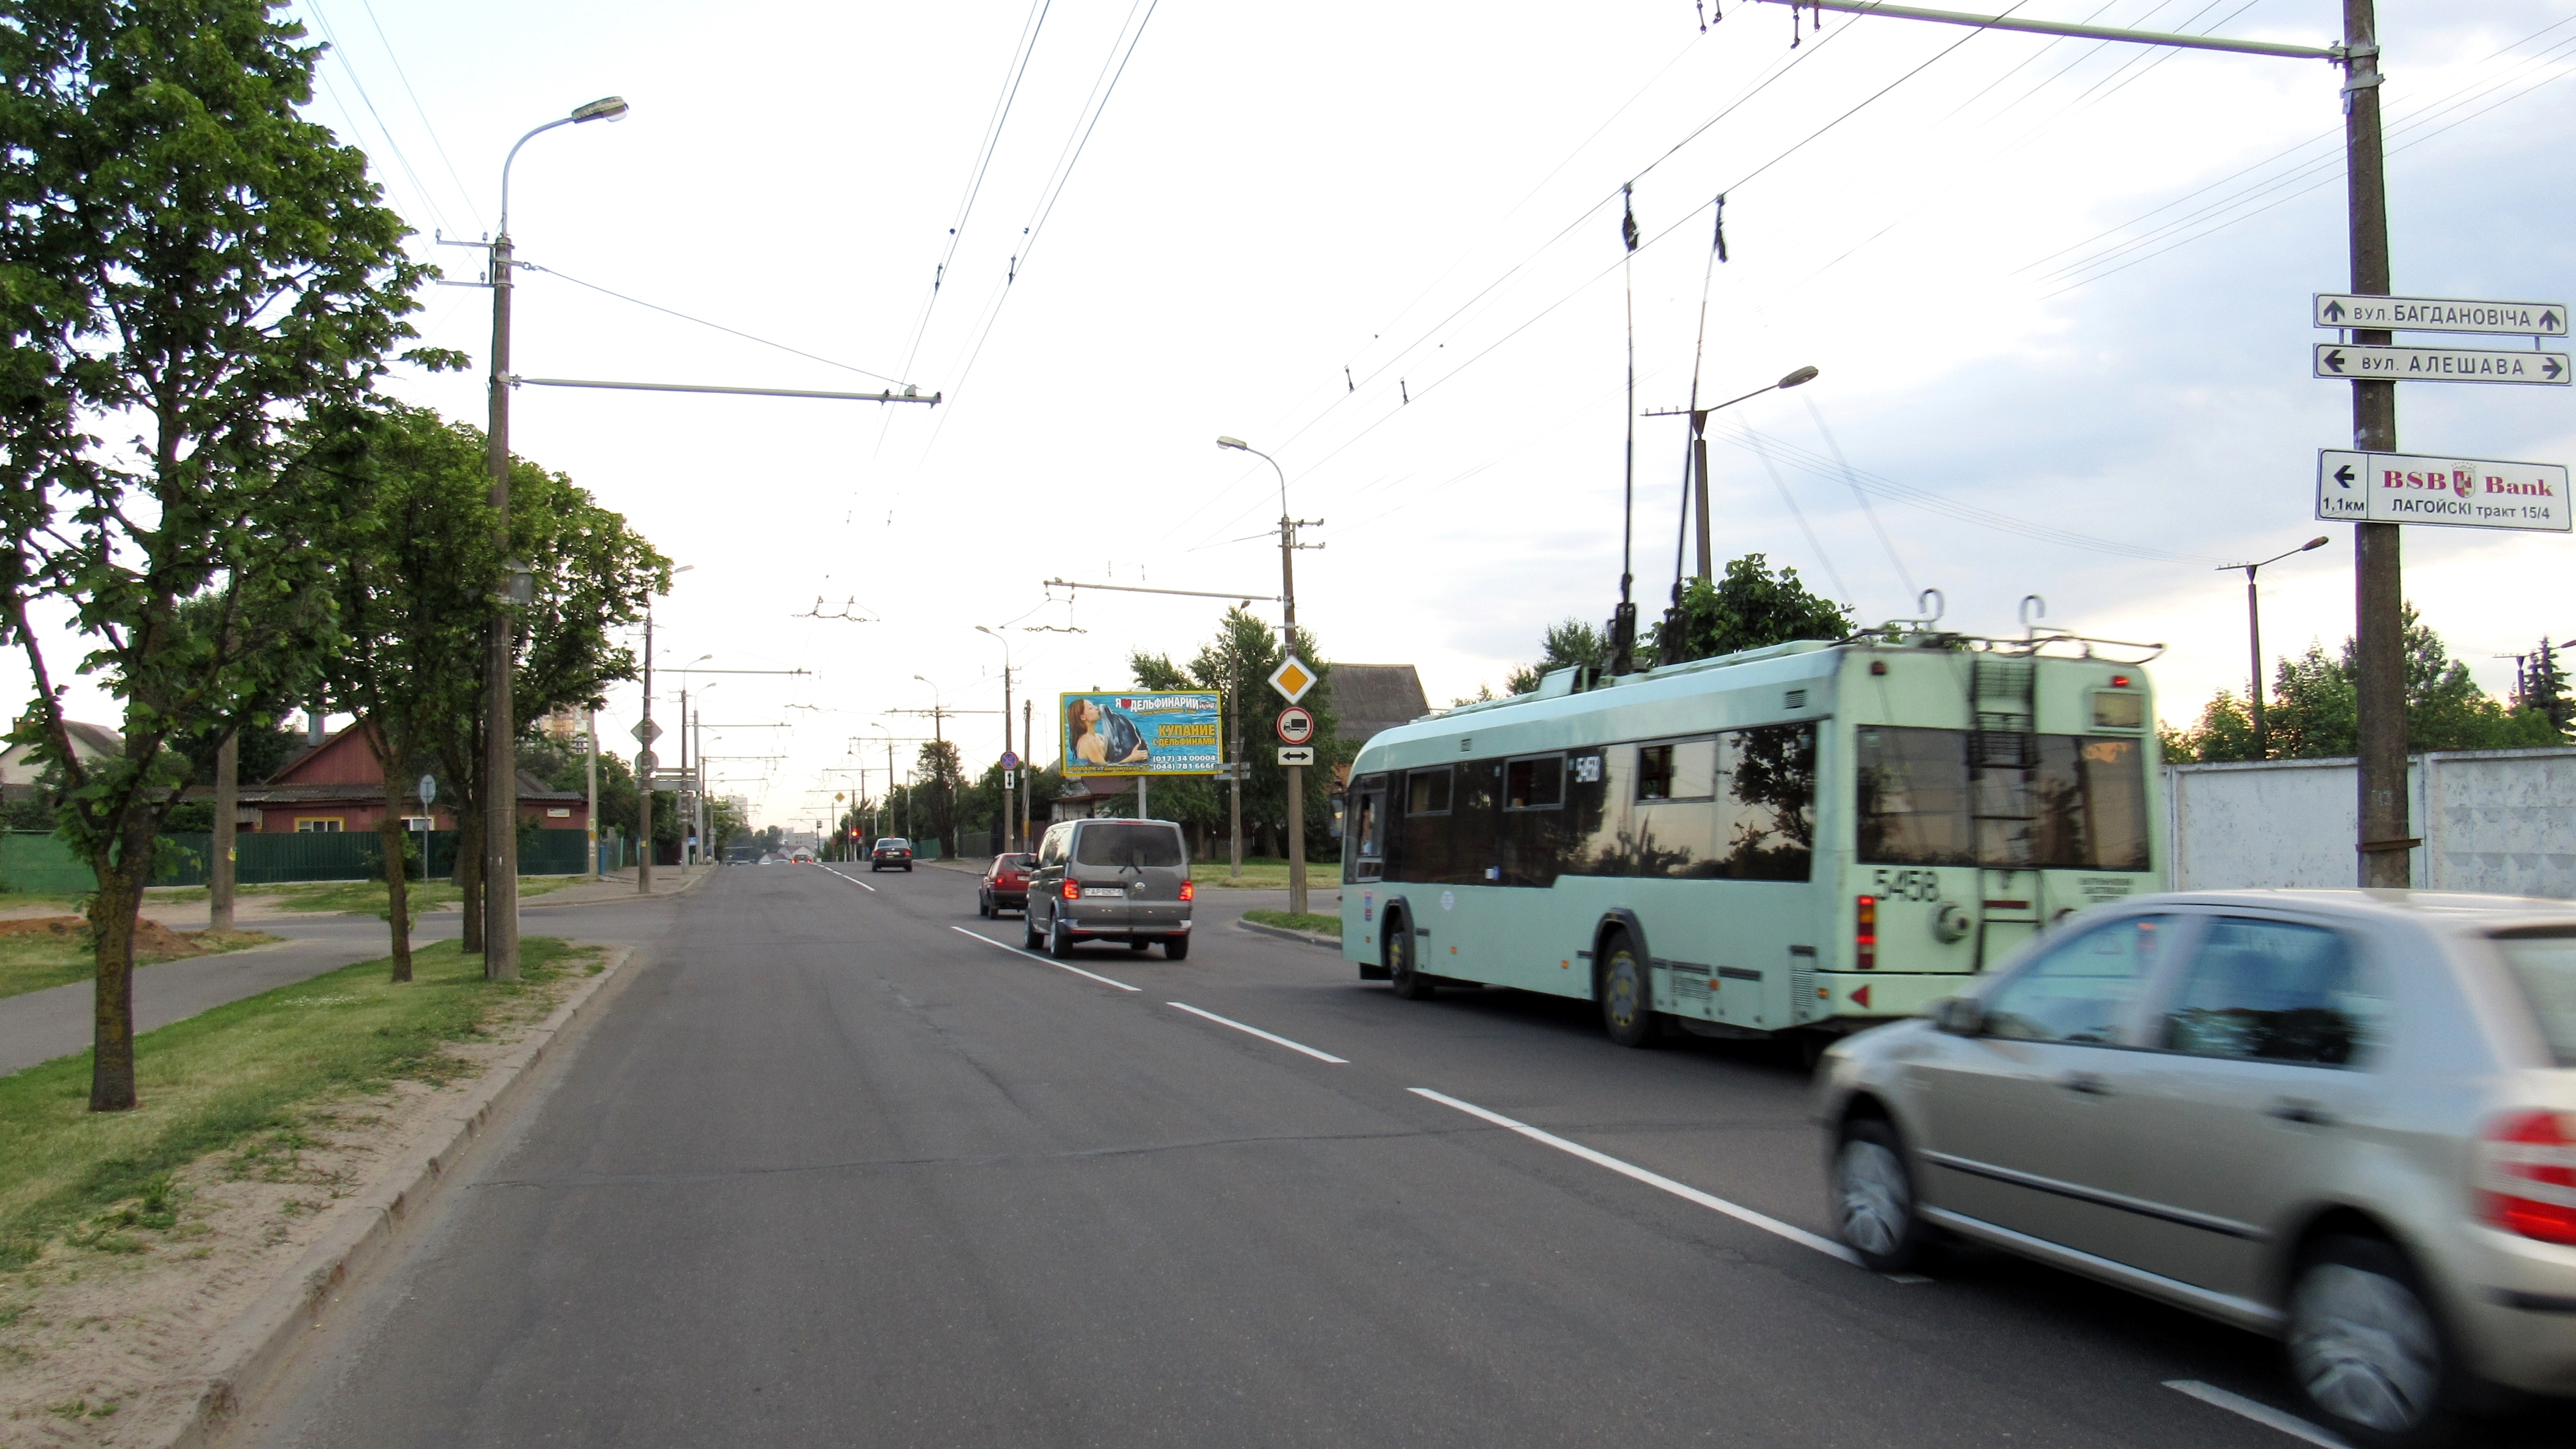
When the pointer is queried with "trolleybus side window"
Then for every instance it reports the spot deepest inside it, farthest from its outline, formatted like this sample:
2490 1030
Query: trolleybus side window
1766 816
1365 846
1913 796
1677 770
1535 783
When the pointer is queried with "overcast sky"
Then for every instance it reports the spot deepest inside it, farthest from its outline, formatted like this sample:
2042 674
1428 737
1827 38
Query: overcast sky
2058 291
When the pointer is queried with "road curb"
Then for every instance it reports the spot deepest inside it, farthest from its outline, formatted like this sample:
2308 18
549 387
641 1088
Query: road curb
630 897
1284 934
248 1356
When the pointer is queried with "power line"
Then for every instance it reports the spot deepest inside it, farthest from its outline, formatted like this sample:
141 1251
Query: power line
369 101
703 322
462 189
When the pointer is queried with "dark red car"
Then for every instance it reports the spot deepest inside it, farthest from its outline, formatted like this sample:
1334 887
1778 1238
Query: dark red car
1006 884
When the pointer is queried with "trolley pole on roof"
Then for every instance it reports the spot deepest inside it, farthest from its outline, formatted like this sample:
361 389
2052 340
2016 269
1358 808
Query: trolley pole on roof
2378 585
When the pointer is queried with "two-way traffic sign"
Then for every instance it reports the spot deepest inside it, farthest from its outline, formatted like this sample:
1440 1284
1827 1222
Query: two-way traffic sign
2352 362
1296 754
2354 487
2441 314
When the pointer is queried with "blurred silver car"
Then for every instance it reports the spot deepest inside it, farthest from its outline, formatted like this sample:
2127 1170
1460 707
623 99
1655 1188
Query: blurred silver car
2343 1118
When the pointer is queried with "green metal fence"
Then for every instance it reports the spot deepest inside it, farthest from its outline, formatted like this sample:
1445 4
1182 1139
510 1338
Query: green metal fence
37 861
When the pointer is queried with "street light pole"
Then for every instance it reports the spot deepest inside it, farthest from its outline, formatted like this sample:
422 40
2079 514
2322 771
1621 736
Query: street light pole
501 738
1699 447
1288 547
1010 832
2254 636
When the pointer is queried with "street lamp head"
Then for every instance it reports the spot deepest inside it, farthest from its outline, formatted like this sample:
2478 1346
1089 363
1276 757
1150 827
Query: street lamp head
1799 378
2317 542
1238 444
606 108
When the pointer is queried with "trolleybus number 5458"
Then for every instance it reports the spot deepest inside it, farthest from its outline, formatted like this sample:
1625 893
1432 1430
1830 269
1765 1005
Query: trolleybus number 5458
1909 885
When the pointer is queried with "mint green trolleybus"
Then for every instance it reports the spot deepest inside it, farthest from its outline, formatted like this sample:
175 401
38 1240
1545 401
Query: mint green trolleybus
1811 838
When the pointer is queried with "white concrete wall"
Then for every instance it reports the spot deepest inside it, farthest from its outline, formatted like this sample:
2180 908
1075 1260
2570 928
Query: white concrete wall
2500 821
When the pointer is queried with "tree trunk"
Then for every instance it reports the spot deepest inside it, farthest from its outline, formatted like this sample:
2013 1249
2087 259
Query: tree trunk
389 830
112 915
219 871
469 874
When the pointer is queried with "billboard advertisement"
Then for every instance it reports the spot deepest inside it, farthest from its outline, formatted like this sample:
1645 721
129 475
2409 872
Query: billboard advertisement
1148 732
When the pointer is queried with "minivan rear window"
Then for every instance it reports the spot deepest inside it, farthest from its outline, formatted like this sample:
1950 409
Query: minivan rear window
1138 845
2543 963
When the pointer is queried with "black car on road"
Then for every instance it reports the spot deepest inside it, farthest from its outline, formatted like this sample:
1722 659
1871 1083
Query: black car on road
893 850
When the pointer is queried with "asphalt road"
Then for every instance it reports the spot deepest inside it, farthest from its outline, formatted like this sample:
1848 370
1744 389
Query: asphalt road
830 1170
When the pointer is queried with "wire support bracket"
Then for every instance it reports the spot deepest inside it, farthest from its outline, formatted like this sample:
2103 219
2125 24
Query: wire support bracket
2339 54
908 395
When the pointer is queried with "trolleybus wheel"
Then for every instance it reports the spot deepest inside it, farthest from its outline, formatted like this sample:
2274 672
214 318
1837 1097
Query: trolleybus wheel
1400 973
1627 994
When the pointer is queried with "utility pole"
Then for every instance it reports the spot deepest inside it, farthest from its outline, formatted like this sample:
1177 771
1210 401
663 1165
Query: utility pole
644 770
220 870
1241 766
2379 592
2379 595
590 728
2254 636
500 733
1028 768
1288 546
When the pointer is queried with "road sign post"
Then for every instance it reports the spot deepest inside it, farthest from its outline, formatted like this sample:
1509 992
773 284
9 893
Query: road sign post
2355 487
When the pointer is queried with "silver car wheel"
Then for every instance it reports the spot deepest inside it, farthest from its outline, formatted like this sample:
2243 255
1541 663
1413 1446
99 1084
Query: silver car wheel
2364 1347
1876 1202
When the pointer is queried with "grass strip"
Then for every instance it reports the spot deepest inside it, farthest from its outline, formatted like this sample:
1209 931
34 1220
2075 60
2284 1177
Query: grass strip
33 963
1261 873
367 897
222 1077
1289 921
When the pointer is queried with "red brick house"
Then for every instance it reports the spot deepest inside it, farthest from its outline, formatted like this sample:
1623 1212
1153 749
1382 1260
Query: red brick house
337 786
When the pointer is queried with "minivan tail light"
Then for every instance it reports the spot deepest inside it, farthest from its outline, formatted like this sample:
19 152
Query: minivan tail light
1189 890
1072 889
1865 934
2527 1176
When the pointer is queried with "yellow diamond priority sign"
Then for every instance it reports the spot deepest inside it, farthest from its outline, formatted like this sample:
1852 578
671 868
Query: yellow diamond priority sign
1292 679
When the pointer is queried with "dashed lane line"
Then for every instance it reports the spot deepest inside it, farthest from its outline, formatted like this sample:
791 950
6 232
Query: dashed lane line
2264 1414
1737 1211
854 880
1041 960
1256 1031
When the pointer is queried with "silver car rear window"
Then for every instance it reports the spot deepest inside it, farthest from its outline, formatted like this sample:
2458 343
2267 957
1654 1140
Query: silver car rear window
2543 962
1137 845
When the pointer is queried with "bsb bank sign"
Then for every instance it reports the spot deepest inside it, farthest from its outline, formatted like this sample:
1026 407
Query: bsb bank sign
2355 487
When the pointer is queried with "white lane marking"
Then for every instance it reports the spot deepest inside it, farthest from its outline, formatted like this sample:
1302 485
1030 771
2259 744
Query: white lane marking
1740 1213
1041 960
2264 1414
854 880
1256 1031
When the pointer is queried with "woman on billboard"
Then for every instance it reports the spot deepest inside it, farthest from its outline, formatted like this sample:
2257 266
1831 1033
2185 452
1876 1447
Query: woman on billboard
1104 738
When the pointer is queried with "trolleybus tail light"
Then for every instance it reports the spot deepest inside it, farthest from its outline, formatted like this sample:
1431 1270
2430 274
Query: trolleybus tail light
1072 889
1189 890
2527 1176
1865 935
2119 681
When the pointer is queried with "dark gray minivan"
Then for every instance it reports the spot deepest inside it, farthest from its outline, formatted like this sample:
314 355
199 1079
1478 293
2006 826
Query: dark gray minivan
1111 880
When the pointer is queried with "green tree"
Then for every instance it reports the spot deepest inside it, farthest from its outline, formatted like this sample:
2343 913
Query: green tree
1564 646
2314 711
1752 607
182 252
1235 664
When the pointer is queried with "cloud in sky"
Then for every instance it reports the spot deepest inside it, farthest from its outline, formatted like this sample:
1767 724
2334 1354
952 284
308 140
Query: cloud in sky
1427 198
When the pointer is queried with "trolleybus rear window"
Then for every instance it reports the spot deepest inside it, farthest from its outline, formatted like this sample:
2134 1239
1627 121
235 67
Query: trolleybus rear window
2066 802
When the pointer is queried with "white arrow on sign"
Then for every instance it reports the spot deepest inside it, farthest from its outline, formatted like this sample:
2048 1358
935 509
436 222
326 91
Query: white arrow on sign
2357 487
1296 754
2441 314
646 733
2440 364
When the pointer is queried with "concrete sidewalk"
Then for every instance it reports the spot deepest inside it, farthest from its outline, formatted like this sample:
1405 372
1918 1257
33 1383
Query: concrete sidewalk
42 1025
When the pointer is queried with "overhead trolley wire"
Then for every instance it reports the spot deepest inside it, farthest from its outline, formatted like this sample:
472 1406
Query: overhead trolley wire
350 68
